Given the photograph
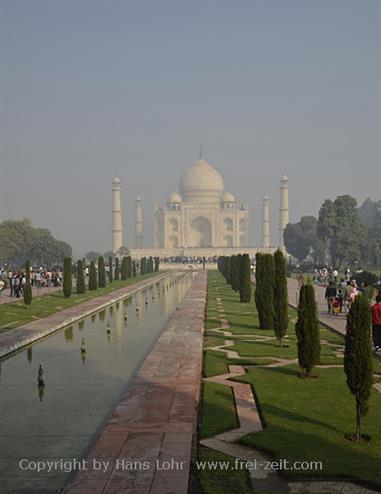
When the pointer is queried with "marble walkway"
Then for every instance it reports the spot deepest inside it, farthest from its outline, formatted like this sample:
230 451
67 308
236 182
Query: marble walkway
148 440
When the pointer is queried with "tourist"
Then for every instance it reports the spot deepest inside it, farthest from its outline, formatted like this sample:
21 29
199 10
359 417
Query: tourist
336 306
300 279
330 294
335 275
342 283
340 296
376 323
348 296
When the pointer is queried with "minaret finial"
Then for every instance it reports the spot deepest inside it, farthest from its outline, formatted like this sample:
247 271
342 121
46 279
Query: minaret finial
200 153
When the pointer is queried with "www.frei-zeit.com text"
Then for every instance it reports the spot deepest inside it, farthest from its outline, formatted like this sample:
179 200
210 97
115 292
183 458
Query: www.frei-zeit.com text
95 464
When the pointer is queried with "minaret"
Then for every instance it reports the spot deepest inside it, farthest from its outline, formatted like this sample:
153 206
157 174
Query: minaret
284 211
117 231
265 222
138 223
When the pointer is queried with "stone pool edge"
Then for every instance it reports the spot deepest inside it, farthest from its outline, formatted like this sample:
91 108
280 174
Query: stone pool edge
22 336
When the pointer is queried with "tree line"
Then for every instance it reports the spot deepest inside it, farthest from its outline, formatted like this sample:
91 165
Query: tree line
124 270
342 234
21 242
236 271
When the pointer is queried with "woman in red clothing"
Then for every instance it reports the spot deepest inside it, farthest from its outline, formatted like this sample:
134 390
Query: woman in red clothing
376 323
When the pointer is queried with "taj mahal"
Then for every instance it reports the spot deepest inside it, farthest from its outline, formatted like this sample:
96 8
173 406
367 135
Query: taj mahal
201 219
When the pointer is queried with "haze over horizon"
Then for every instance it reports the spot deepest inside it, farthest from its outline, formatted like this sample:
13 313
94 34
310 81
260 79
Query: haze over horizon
90 91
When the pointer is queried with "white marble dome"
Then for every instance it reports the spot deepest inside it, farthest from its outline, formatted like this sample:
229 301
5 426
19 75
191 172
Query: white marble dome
201 183
174 197
228 197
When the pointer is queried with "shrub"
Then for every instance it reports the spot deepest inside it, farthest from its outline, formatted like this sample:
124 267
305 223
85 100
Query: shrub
101 272
67 277
280 297
93 282
80 278
245 281
358 357
27 290
307 330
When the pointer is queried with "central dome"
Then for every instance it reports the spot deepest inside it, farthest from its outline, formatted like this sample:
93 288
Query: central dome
201 183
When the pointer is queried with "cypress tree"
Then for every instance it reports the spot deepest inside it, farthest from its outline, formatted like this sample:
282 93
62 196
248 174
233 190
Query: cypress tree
245 281
134 269
117 271
280 297
235 271
307 330
157 264
142 265
101 272
93 282
358 363
150 265
27 289
264 290
258 282
228 269
67 278
110 273
129 267
123 269
80 278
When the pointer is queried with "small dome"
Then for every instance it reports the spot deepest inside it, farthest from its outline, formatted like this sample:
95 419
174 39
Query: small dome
201 183
116 180
228 197
284 178
174 197
138 198
266 198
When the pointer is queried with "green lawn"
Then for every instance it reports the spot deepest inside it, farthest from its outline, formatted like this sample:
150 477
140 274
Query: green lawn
17 314
308 419
220 480
305 419
217 402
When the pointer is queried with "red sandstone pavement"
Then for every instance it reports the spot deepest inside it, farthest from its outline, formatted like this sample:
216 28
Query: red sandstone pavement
157 417
24 335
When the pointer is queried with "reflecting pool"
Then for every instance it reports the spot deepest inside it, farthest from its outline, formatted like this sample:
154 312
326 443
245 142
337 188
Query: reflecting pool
55 411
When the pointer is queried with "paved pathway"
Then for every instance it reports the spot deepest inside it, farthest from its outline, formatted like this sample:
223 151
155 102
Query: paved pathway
24 335
5 297
337 323
156 419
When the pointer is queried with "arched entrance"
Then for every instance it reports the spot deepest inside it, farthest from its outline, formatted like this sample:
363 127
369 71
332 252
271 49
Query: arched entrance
228 241
200 232
173 242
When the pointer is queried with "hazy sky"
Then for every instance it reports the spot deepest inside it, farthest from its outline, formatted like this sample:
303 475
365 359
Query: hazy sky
93 89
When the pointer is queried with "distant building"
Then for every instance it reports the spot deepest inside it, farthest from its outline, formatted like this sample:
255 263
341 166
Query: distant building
202 214
202 219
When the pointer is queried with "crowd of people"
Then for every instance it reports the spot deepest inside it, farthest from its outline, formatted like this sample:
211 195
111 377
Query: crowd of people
341 294
324 275
39 278
189 259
